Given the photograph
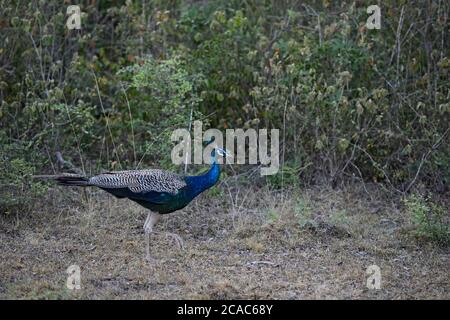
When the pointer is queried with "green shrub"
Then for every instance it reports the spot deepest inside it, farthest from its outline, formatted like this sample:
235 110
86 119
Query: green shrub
430 220
273 215
341 106
18 190
340 219
304 214
166 100
287 177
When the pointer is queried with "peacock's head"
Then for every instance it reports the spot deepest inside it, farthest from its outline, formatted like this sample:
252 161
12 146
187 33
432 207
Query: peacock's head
216 150
222 152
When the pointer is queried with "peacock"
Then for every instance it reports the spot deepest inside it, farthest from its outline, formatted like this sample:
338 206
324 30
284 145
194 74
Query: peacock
160 191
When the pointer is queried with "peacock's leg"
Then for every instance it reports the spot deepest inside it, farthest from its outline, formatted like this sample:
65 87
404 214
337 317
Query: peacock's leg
149 223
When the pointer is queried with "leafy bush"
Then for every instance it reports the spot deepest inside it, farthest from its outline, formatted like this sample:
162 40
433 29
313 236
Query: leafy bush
167 101
18 189
304 214
340 92
430 220
287 176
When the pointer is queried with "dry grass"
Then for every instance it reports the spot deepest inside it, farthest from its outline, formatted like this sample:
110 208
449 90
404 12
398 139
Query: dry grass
313 244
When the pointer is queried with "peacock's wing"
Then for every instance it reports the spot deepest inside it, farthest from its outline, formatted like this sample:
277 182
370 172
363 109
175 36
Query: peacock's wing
152 185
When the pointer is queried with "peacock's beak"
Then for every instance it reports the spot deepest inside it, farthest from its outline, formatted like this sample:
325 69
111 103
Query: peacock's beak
223 152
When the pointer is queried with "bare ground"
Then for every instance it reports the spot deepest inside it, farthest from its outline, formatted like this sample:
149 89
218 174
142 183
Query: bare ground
246 244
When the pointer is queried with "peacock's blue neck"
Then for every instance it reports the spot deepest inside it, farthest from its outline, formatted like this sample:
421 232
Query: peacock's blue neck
200 183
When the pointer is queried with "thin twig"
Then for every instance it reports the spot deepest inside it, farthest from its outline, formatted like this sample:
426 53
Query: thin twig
189 152
424 157
106 119
131 122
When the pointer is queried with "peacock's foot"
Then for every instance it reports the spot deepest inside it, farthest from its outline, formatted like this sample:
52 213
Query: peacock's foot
178 240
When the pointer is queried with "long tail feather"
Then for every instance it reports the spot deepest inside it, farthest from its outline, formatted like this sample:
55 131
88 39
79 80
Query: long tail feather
72 180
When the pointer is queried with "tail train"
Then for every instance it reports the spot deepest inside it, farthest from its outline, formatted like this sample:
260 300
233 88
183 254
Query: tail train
72 180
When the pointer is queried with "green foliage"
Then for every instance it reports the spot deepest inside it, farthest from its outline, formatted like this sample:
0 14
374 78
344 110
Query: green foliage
350 102
430 220
340 219
273 215
18 189
304 214
287 176
216 192
166 98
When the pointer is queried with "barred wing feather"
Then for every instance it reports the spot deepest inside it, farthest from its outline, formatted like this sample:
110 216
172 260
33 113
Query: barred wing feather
140 181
